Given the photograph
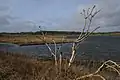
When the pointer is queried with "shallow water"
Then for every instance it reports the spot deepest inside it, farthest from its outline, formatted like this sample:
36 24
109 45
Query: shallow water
95 47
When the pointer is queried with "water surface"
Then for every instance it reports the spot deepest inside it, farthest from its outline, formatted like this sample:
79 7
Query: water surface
95 47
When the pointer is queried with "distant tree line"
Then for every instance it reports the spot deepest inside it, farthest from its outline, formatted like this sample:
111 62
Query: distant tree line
55 32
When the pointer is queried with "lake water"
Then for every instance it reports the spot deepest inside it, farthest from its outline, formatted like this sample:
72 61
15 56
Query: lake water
95 47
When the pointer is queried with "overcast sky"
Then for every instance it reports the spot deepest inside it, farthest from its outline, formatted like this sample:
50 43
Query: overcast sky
27 15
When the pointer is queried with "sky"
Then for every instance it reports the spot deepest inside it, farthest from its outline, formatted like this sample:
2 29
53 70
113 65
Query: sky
57 15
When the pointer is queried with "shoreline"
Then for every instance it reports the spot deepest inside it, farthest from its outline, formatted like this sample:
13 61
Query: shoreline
41 43
26 40
34 43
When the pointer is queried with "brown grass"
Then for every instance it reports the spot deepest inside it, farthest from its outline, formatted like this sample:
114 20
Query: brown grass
31 39
22 67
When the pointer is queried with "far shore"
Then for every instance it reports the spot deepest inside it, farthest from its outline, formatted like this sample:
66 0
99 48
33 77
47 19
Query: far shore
35 38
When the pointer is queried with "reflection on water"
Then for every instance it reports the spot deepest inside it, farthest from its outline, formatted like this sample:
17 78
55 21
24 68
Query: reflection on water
95 47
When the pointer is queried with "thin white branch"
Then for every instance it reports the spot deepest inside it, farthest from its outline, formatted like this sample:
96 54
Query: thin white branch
50 49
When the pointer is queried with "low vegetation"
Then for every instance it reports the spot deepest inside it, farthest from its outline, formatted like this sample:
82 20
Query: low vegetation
31 39
23 67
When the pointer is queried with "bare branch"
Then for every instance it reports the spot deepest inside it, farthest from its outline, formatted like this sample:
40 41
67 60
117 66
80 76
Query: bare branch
88 16
86 36
50 49
100 68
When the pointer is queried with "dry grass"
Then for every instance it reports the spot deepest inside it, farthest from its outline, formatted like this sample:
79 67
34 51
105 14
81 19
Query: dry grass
31 39
22 67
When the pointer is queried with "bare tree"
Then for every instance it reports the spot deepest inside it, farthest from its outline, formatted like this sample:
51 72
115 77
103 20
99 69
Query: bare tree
88 15
55 50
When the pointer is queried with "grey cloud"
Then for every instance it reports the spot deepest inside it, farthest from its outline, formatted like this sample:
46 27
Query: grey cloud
4 17
4 20
23 26
109 15
4 8
10 23
108 18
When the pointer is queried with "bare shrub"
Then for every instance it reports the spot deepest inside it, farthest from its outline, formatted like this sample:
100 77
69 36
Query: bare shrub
114 66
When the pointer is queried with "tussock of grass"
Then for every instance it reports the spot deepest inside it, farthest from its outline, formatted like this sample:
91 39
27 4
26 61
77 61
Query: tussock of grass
22 67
